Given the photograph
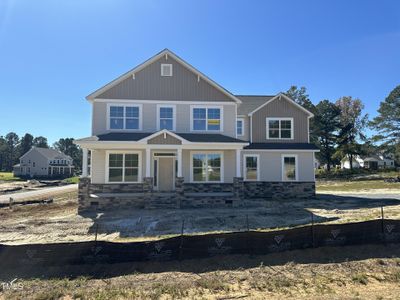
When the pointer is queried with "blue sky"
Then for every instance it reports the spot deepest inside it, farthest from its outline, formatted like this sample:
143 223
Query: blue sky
54 53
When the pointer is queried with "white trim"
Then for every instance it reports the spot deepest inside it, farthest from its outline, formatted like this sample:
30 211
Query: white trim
267 119
281 150
164 131
279 97
124 105
313 155
221 123
296 166
179 160
245 167
84 162
108 152
148 162
238 162
162 69
251 128
242 120
206 153
173 115
153 101
150 61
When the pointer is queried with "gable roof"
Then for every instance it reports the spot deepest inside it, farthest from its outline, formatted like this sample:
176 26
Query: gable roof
279 96
166 52
250 103
49 153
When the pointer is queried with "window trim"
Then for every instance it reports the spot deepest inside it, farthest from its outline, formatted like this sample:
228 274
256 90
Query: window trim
140 106
159 106
245 168
206 153
241 120
221 114
283 167
162 69
108 152
279 119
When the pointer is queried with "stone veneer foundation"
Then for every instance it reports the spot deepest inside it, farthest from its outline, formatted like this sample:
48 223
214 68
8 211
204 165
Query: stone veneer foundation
187 195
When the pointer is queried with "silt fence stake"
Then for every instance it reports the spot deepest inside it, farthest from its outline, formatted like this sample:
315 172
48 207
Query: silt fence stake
181 241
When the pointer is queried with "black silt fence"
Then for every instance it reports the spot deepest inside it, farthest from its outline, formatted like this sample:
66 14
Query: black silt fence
200 246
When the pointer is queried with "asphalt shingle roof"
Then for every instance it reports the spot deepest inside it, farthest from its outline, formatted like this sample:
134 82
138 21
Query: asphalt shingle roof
251 102
191 137
52 153
282 146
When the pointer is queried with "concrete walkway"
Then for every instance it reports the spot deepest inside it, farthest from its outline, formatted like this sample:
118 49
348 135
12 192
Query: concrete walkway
50 191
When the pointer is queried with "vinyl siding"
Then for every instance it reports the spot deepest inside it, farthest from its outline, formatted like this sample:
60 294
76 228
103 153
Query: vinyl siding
149 122
99 163
150 85
229 164
271 165
98 167
168 140
285 109
41 164
246 132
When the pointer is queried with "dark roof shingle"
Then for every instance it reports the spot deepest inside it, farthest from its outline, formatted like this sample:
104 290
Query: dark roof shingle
281 146
251 103
191 137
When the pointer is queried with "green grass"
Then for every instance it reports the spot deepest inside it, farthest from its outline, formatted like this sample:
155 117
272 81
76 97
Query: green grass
349 186
8 176
74 179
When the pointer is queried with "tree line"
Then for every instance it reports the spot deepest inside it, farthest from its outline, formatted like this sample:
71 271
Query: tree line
338 128
12 147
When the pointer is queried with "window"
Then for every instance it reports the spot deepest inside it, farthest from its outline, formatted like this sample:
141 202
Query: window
251 167
166 69
124 117
206 167
166 117
206 118
33 164
289 167
279 128
240 127
123 167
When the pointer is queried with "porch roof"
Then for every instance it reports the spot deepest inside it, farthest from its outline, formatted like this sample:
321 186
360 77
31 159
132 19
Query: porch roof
137 136
281 146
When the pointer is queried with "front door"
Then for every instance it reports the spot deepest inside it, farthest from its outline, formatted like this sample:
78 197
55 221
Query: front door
166 174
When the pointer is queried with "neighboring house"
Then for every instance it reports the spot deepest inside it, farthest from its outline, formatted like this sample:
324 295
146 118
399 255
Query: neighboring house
164 134
317 164
44 162
369 162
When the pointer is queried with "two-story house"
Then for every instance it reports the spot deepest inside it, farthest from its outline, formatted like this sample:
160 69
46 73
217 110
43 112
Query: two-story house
44 162
164 134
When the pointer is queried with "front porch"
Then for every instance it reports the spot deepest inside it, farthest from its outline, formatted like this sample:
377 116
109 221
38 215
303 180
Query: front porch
163 170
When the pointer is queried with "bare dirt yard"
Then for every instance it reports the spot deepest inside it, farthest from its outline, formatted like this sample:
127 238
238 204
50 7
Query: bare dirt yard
61 222
353 272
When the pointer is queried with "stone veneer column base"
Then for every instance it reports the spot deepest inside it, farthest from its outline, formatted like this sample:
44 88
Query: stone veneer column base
179 191
238 191
83 192
279 189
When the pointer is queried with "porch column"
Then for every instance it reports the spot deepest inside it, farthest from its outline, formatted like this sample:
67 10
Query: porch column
84 162
238 163
179 160
148 162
